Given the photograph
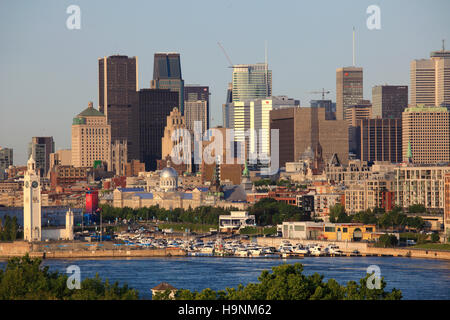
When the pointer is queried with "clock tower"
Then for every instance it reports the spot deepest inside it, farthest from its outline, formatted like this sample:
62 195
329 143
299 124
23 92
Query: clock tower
31 203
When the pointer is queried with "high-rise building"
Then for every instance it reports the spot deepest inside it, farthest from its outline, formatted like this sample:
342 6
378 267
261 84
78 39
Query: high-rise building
352 115
167 75
430 80
260 121
119 157
118 84
196 100
91 138
41 148
330 107
251 81
303 128
154 107
447 205
6 160
380 140
349 89
389 101
426 134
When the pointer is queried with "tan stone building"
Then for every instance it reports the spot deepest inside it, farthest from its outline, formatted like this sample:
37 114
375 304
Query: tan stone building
426 134
300 128
447 205
430 80
196 111
91 138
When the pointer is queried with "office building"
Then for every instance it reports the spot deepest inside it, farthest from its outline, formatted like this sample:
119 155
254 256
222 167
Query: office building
167 75
352 115
303 128
447 205
349 89
380 140
260 121
196 100
91 138
426 134
251 81
330 107
41 148
6 160
154 107
389 101
118 83
430 80
119 157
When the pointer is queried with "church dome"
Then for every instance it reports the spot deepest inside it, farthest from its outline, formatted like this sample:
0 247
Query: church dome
169 172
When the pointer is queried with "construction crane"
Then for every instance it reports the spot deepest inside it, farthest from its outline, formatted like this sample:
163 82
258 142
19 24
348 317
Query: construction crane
225 53
323 92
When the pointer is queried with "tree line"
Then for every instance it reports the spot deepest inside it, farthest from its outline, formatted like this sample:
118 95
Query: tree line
287 282
24 279
391 219
267 211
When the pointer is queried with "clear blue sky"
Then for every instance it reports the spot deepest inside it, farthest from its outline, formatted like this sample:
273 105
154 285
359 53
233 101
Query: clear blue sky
49 73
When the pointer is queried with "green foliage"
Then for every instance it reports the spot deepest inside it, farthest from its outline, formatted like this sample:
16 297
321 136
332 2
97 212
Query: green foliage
24 279
204 215
258 230
387 241
338 215
264 182
9 229
435 237
287 282
268 211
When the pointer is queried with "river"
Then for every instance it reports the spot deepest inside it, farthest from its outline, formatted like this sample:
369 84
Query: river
417 278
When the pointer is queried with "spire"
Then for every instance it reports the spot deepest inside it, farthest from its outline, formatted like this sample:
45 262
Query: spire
245 172
31 164
409 154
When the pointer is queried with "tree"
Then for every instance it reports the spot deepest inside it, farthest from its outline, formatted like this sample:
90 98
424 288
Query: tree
24 279
435 237
337 214
387 240
287 282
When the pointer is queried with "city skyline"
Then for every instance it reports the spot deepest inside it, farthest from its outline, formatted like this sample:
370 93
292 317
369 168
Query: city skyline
65 79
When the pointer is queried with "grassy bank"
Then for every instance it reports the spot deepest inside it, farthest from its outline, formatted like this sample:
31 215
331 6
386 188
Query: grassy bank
259 230
433 246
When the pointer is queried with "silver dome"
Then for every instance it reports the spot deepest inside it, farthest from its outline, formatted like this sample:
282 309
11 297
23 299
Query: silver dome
168 172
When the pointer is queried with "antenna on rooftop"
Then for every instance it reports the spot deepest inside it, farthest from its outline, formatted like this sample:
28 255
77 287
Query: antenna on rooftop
354 64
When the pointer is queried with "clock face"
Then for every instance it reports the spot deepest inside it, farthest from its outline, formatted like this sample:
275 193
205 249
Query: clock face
34 184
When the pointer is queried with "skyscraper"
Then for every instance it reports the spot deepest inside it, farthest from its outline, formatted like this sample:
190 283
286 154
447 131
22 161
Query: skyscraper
91 138
167 75
426 133
380 140
389 101
154 107
430 80
349 89
196 100
40 148
303 128
6 160
251 81
118 84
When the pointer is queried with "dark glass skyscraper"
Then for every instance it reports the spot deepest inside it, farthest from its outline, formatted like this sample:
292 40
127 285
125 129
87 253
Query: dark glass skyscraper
154 107
167 75
195 93
117 92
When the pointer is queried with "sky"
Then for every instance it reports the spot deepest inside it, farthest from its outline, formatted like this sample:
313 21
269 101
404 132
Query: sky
49 73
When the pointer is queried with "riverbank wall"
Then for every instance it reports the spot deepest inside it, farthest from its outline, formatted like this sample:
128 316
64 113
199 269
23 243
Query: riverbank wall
20 248
364 248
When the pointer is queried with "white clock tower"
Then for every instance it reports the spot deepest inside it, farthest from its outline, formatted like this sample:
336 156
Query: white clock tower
31 203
